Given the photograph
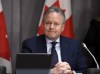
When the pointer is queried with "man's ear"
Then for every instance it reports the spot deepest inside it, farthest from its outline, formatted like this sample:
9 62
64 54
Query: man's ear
63 27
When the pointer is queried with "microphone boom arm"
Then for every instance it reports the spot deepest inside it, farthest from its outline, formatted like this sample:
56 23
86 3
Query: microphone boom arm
91 55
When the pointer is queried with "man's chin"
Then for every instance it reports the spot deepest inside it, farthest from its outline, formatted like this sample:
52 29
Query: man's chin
52 38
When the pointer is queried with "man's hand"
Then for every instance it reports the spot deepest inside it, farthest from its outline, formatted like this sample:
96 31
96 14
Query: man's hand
62 68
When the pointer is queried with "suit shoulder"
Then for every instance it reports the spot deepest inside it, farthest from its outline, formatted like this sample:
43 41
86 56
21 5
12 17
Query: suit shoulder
34 38
69 39
30 39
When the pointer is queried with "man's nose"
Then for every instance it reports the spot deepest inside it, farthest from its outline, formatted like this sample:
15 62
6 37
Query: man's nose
52 25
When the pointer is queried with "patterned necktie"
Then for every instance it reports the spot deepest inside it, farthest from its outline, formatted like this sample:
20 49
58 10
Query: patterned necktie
54 59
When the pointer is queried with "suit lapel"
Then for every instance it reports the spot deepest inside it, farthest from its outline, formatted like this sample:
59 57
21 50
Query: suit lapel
64 49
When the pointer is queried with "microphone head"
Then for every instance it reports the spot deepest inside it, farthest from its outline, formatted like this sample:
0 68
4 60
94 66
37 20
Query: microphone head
84 45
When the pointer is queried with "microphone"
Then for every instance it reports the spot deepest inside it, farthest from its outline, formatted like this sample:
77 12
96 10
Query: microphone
84 45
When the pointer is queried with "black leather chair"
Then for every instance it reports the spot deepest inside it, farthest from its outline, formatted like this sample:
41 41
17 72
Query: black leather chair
2 70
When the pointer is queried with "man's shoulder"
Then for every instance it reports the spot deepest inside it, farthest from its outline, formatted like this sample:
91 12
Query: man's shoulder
34 38
69 39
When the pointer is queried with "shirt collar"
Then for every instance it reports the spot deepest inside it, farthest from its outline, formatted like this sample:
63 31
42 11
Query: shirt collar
49 41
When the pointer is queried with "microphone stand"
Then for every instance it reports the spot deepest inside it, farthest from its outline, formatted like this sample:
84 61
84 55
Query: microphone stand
92 70
91 55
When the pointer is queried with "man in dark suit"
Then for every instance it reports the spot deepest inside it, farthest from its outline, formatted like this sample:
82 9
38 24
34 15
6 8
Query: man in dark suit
69 54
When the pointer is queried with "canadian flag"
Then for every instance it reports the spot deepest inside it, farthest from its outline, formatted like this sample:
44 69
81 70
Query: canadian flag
65 5
4 47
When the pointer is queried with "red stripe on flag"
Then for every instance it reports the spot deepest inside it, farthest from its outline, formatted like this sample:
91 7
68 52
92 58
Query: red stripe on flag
68 30
40 29
4 47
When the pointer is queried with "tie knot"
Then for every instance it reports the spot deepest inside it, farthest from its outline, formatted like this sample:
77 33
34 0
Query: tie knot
53 43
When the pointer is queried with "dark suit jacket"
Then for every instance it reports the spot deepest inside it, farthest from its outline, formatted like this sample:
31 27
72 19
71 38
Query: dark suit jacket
70 51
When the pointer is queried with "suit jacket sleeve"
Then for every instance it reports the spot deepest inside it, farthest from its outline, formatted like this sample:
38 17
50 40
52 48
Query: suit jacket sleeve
25 47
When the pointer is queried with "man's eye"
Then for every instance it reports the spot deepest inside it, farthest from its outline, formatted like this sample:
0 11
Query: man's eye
56 24
47 23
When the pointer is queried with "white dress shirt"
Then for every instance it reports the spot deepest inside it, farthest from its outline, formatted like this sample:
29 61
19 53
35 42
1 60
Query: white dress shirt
57 47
